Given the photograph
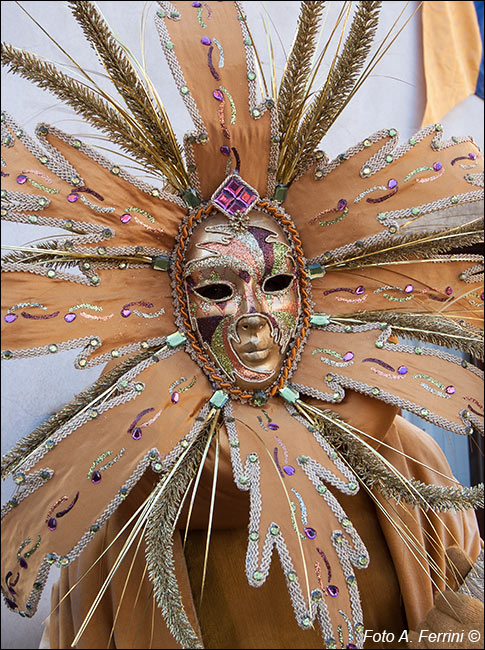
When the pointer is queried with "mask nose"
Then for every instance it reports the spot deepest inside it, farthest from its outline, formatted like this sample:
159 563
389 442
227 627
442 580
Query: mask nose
251 328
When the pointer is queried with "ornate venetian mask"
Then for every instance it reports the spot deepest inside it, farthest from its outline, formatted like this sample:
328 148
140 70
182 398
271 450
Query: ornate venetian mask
243 295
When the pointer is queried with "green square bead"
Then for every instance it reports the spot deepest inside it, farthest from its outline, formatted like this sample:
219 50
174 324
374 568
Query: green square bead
190 198
315 270
161 263
175 339
219 399
280 193
320 319
289 394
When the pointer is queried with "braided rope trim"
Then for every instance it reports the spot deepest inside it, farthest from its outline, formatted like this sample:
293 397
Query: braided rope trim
182 315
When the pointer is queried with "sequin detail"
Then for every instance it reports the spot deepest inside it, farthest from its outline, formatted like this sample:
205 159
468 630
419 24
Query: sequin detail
126 311
133 429
276 460
471 156
213 71
303 510
93 206
199 14
344 360
69 507
327 563
233 106
341 208
146 226
26 314
392 185
42 175
39 186
94 475
383 364
221 52
179 381
85 305
140 211
23 557
22 305
388 296
222 122
92 317
436 167
430 389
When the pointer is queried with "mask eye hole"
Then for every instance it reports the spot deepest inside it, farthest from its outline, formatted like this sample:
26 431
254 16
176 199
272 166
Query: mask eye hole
218 291
277 283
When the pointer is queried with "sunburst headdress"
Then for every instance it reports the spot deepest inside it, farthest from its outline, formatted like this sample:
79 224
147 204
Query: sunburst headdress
367 240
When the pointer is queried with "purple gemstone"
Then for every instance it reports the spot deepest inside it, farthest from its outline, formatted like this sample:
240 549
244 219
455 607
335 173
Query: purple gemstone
69 317
348 356
311 533
332 590
360 290
125 313
409 288
472 156
136 434
125 218
9 318
437 166
288 469
351 646
451 390
21 179
402 370
95 477
342 204
72 197
197 4
225 150
273 426
448 291
205 40
23 562
175 398
52 523
392 183
218 94
482 296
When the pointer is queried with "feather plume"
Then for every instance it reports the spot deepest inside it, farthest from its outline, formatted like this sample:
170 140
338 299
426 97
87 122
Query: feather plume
123 75
327 103
102 113
413 247
366 463
159 554
49 253
293 86
430 328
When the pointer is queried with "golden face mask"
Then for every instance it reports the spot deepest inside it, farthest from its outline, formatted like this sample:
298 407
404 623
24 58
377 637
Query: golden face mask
243 295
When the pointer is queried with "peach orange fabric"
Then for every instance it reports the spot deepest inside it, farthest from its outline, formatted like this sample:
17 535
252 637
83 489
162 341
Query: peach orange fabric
452 51
396 592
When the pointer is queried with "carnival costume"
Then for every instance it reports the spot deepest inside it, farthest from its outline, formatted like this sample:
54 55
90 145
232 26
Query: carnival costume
253 311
